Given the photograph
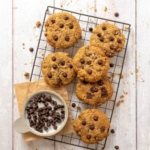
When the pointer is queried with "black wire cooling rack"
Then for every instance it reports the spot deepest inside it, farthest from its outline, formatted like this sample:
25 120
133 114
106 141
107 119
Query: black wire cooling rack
114 73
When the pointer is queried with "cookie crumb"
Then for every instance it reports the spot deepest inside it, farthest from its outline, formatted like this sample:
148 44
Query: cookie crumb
105 9
83 29
125 92
113 75
126 28
95 9
38 24
23 44
122 96
119 102
78 108
26 74
121 76
137 70
42 54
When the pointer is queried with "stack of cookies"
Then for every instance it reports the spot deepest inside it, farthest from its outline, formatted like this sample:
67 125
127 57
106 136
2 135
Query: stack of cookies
90 64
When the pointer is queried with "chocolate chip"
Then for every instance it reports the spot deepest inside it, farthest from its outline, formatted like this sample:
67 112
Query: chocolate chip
101 39
31 49
90 29
93 89
111 39
62 63
100 62
102 128
66 17
83 122
89 71
73 105
112 47
67 38
45 34
119 40
82 61
55 127
55 37
49 75
62 116
116 147
116 14
92 127
53 21
65 74
53 58
99 35
61 25
71 26
88 62
45 128
100 82
29 117
59 80
71 66
104 92
84 82
88 136
88 95
111 65
112 131
95 118
103 28
54 66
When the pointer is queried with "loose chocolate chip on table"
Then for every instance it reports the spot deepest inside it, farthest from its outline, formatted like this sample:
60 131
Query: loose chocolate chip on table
54 66
95 118
111 65
61 25
112 131
111 39
102 128
67 38
73 105
66 17
116 14
93 89
119 40
101 39
100 82
55 37
31 49
53 58
88 136
100 62
116 147
83 122
88 95
90 29
103 28
53 21
49 75
92 127
82 61
89 71
99 35
70 26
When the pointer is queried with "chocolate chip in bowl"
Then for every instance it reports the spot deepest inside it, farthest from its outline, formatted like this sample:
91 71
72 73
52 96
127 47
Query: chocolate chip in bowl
45 113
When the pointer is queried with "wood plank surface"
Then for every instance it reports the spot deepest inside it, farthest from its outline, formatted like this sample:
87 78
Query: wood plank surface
6 75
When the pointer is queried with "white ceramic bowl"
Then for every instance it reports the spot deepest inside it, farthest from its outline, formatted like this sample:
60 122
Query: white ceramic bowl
22 124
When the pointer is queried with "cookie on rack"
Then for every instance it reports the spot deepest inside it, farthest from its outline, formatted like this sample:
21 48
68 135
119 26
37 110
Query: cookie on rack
57 69
108 37
94 94
90 63
62 30
92 126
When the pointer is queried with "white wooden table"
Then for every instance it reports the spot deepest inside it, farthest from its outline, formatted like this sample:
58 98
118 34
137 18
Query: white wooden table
130 120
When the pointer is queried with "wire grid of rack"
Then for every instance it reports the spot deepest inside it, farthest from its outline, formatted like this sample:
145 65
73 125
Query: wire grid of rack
44 49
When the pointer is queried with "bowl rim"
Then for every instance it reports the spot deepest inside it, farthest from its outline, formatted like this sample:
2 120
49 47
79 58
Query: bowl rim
41 92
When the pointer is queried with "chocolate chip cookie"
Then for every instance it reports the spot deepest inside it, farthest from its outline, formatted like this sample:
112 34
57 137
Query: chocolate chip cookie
92 126
94 94
62 30
108 37
57 69
90 63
